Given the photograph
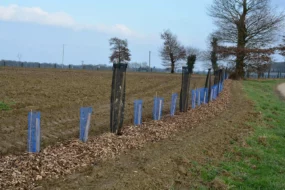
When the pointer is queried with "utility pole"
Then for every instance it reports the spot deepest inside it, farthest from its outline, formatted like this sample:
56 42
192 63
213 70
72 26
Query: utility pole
62 55
149 59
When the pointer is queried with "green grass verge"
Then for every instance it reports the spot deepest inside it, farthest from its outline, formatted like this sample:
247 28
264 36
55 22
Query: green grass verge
4 106
261 165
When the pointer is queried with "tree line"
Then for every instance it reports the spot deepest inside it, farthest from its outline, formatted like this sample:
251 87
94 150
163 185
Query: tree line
246 37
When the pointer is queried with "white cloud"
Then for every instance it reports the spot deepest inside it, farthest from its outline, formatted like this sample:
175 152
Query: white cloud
37 15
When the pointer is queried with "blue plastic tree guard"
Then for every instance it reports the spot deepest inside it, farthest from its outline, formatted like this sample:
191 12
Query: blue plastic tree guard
216 91
205 96
138 112
85 120
202 94
213 93
34 132
219 87
193 99
157 108
173 104
197 100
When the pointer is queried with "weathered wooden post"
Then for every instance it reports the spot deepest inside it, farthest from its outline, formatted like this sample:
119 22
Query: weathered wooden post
184 93
216 76
118 98
220 80
208 85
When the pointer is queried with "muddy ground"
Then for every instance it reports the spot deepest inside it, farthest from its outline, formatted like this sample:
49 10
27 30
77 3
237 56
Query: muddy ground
169 164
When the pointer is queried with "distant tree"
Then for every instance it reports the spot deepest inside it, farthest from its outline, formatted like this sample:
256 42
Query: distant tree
192 55
134 65
259 64
172 51
214 56
211 56
120 51
191 59
245 25
193 51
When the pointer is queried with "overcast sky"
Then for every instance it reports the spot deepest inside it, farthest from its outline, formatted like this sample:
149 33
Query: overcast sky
37 29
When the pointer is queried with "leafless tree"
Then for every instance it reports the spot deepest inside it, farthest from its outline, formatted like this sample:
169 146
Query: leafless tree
211 55
120 51
193 51
259 63
172 51
245 24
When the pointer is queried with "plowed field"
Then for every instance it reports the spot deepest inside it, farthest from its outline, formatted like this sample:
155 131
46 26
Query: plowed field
59 94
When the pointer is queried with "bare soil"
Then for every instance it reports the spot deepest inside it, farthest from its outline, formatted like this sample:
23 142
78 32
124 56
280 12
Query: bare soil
59 94
169 163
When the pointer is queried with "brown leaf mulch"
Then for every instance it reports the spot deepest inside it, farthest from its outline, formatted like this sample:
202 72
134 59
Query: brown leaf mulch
22 171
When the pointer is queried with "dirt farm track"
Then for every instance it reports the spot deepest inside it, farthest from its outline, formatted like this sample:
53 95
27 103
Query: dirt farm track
59 94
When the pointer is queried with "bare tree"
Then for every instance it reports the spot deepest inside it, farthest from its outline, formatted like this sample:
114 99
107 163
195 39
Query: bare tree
193 51
120 51
172 51
245 24
211 55
259 63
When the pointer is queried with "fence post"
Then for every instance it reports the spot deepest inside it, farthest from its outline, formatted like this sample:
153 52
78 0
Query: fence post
173 104
118 98
85 120
34 132
209 85
216 76
184 93
138 112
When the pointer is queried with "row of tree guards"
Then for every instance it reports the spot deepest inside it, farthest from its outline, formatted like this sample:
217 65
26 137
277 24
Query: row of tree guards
117 104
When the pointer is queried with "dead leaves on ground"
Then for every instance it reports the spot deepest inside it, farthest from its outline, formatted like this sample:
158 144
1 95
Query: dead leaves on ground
22 171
